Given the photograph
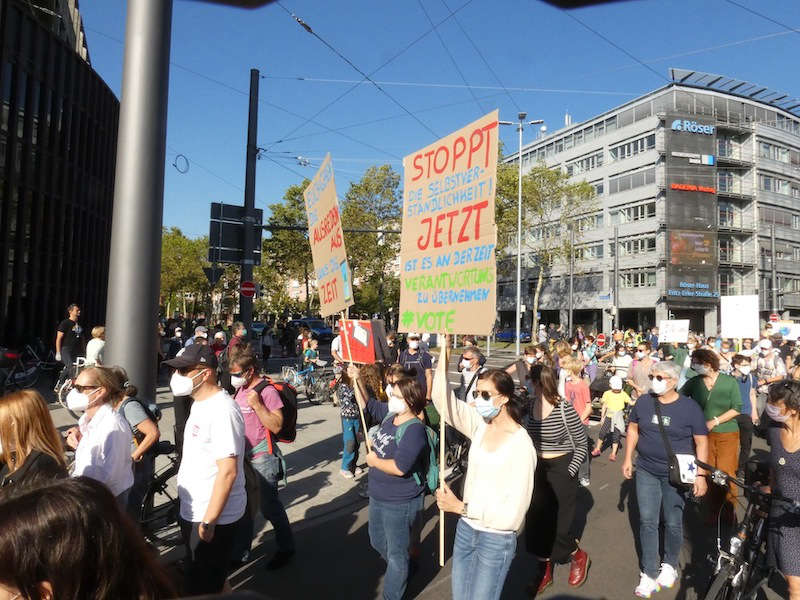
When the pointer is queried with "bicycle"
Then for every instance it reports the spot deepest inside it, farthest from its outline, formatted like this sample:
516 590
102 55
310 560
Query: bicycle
160 508
17 372
63 390
742 571
315 383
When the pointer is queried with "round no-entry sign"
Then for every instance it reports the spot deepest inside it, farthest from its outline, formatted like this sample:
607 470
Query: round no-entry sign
773 318
248 289
601 339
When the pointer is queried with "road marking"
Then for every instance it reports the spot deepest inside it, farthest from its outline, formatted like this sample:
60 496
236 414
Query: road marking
602 487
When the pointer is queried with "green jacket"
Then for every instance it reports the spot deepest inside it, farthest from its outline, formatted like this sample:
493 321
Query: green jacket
725 395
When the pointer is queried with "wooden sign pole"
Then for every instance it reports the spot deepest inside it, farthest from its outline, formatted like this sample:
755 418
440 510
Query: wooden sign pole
350 356
444 358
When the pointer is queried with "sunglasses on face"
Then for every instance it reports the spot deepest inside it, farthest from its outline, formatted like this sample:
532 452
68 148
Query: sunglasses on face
239 374
83 388
657 377
482 393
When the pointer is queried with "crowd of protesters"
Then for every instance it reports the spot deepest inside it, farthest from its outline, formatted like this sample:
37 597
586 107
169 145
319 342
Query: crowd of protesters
530 451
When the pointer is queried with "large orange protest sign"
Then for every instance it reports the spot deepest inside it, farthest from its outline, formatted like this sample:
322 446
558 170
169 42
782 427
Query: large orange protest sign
447 253
327 242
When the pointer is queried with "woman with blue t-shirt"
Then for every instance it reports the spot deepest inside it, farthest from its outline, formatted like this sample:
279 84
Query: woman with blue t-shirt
685 428
395 456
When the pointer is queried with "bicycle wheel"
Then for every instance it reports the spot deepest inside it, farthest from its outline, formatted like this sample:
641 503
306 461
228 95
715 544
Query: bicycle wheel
62 393
160 508
721 587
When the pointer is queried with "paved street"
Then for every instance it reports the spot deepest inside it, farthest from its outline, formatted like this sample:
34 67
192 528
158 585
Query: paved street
334 559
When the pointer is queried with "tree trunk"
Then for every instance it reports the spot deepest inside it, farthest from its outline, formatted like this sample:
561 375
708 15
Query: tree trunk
535 320
308 296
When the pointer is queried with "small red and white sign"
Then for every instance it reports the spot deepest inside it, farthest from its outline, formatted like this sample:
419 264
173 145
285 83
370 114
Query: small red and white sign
601 339
774 318
248 289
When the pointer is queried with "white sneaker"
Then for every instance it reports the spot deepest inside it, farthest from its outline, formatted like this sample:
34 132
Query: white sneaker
585 482
647 587
667 577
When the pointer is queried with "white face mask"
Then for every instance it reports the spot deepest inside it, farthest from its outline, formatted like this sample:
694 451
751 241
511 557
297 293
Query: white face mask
700 369
574 346
238 382
181 385
621 353
640 354
658 387
388 390
744 369
78 401
530 359
413 344
397 405
775 413
466 363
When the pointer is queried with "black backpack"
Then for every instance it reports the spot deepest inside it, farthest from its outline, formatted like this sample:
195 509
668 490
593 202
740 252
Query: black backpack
288 394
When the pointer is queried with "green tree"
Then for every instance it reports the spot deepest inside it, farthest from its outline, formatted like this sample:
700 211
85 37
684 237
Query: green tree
374 202
182 262
551 204
288 252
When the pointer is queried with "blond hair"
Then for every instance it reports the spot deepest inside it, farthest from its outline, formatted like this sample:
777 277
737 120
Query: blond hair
109 379
98 331
25 426
573 365
563 349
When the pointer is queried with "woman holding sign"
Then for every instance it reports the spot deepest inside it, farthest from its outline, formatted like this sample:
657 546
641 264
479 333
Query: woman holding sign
396 475
498 485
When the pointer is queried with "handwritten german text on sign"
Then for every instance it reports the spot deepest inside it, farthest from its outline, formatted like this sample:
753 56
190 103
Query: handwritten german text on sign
447 254
327 242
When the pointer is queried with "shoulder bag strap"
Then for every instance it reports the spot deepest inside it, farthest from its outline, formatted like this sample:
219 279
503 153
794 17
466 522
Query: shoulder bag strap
661 428
566 426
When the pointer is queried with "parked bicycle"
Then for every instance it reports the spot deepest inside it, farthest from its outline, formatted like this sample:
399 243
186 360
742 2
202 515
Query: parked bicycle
17 371
158 514
317 383
63 390
742 570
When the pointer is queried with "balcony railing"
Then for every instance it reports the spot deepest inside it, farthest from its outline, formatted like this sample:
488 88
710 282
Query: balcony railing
735 256
727 220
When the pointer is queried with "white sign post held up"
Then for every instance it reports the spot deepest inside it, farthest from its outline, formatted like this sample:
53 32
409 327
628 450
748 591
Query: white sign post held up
739 317
673 331
448 272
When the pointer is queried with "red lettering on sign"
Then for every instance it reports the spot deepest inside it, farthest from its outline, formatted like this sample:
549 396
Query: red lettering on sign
435 230
438 159
326 225
328 292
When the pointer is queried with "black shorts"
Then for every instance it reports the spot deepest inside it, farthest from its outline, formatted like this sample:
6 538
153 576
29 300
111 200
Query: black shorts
207 563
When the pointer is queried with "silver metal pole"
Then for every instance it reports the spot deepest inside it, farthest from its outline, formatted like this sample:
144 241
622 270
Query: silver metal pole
773 262
519 235
135 260
245 303
571 274
615 287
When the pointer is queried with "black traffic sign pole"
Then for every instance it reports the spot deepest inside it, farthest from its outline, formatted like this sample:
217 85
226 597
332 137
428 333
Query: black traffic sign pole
246 302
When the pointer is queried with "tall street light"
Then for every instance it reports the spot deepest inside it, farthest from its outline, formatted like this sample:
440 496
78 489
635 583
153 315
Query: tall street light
520 126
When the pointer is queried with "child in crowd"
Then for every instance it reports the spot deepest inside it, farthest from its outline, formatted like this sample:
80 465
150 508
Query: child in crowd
351 426
612 419
311 355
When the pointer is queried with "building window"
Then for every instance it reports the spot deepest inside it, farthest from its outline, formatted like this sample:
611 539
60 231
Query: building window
796 253
589 223
795 221
585 163
632 148
590 252
636 212
777 153
725 147
631 180
638 279
727 215
768 183
544 232
727 182
598 187
727 283
636 245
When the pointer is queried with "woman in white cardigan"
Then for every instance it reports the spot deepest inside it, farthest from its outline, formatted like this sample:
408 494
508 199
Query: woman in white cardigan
498 485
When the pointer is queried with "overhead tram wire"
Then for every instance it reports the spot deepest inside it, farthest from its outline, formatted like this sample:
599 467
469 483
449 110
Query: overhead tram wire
328 45
615 45
378 68
763 16
483 58
450 55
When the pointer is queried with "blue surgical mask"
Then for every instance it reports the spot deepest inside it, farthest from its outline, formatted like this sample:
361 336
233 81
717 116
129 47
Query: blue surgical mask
486 408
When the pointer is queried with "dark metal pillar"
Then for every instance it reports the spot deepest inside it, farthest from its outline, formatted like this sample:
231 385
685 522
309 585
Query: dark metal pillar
246 304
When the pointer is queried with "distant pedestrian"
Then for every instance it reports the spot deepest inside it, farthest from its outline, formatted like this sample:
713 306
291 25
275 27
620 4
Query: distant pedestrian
69 343
267 341
96 346
201 331
421 362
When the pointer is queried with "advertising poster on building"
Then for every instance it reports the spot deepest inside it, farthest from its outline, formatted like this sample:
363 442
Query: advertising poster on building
327 242
675 331
447 253
739 317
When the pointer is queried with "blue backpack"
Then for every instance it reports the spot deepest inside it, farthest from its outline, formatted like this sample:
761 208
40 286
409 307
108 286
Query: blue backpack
429 477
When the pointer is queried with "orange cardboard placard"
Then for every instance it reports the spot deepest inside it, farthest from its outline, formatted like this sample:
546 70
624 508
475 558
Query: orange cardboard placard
447 254
327 242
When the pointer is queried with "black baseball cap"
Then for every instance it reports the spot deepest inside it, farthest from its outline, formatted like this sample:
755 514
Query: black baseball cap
194 355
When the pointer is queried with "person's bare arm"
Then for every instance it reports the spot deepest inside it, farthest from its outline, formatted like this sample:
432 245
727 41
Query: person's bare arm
151 437
631 439
223 483
429 382
59 338
271 419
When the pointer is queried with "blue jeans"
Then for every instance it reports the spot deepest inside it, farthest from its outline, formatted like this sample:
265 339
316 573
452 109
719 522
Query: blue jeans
269 469
350 429
654 494
480 562
390 525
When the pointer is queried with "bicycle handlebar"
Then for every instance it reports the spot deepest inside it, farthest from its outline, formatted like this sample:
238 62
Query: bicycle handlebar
722 478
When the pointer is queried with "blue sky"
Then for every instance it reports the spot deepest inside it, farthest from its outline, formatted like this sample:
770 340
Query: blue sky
526 44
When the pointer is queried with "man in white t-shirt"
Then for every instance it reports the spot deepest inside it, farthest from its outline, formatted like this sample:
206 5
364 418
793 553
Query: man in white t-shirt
211 477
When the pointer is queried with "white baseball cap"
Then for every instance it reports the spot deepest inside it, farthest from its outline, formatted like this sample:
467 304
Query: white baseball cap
765 344
615 382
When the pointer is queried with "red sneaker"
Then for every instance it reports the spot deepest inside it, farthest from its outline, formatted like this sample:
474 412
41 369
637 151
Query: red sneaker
545 579
579 568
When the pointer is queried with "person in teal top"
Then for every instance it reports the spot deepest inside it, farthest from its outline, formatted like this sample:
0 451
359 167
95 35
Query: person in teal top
719 397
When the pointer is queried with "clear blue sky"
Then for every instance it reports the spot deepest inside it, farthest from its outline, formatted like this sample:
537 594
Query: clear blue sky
527 44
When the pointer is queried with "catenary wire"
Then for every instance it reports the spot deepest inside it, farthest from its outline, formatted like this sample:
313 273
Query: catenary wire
450 56
330 47
378 68
763 16
483 58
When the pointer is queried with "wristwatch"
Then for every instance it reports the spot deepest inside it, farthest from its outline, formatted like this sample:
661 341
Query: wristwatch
206 524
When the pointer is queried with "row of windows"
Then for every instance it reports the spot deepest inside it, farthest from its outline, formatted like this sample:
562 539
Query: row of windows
778 185
635 212
777 216
632 148
573 140
631 180
590 222
778 153
627 247
585 163
637 279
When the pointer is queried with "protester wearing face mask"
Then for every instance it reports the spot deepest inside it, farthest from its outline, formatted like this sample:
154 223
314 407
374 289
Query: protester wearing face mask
576 392
396 484
31 450
102 439
620 360
783 408
210 478
726 354
640 370
262 410
685 428
748 418
471 368
498 484
719 397
521 368
422 362
769 369
561 446
589 355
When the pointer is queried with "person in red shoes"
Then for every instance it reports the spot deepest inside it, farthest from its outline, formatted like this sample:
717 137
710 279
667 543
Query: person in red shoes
561 446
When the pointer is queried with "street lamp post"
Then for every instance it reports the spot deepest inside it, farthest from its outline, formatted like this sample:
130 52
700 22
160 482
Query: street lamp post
520 126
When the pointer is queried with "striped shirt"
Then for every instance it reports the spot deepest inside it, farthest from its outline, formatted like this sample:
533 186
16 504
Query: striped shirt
550 435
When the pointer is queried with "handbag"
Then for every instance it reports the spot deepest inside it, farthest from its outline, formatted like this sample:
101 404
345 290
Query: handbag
681 468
